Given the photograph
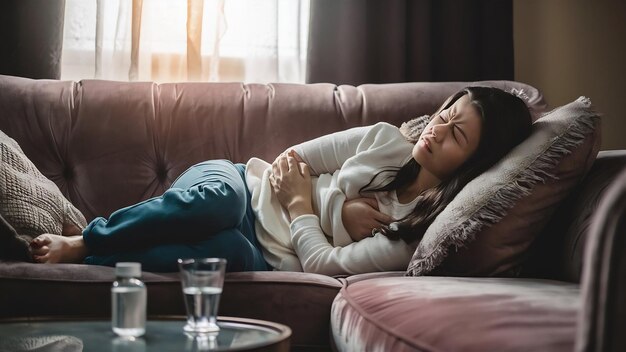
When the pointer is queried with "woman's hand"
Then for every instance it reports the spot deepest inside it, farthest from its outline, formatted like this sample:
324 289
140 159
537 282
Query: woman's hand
360 216
287 153
291 181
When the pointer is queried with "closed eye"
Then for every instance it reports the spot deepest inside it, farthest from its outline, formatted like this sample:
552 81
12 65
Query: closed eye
463 134
455 126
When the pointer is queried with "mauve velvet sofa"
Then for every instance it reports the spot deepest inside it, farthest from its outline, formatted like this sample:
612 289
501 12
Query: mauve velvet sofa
110 144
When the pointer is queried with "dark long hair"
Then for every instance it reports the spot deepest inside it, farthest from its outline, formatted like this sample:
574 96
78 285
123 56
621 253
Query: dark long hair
506 121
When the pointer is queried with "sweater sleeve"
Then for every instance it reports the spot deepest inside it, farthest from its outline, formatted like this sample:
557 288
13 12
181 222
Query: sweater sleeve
372 254
328 153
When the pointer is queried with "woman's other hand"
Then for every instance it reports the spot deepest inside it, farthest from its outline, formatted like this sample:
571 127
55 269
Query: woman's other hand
360 216
287 153
291 181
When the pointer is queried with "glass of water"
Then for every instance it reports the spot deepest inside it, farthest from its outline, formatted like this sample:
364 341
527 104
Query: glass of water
202 280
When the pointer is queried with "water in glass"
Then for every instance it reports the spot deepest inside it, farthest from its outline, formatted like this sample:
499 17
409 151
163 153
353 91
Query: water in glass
202 280
201 304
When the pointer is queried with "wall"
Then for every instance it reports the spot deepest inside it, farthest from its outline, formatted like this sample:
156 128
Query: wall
569 48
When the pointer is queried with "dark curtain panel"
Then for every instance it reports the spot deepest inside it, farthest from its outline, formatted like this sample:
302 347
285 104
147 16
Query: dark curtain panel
31 38
375 41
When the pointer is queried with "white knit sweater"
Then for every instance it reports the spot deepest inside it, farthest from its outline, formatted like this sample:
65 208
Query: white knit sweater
340 163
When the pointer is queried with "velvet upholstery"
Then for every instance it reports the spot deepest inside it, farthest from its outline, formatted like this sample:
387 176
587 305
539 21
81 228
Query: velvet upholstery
455 314
111 144
559 251
603 316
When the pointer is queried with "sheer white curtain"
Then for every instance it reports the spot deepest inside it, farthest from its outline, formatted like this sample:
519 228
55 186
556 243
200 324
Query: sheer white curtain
194 40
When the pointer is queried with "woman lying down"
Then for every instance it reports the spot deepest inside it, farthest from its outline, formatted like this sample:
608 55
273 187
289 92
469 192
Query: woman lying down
350 202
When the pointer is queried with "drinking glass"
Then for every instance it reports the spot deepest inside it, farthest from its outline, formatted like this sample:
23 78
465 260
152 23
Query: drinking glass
202 281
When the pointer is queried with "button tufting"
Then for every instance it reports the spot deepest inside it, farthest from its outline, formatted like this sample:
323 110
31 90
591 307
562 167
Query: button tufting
161 174
68 173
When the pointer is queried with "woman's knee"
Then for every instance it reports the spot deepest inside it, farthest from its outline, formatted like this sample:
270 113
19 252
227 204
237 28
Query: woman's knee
216 199
232 201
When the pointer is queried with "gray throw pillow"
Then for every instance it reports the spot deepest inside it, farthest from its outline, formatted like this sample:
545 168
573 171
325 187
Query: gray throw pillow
30 204
412 129
518 194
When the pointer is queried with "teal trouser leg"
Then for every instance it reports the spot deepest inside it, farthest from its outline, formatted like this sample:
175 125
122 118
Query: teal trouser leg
240 254
205 213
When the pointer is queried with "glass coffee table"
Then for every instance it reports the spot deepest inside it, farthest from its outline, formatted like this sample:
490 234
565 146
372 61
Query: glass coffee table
162 334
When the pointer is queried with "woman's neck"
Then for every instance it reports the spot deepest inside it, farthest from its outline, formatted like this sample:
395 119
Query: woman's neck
423 181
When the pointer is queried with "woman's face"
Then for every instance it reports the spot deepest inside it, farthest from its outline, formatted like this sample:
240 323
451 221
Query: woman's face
449 139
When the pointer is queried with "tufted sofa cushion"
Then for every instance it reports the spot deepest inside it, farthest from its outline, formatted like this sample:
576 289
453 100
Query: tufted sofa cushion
455 314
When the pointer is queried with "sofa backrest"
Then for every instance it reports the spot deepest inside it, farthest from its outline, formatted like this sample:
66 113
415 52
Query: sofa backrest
111 144
558 252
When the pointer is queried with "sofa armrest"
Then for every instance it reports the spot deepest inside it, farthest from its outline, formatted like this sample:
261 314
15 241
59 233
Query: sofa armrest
603 314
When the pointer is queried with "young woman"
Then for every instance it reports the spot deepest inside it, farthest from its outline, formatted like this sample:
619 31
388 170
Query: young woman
350 202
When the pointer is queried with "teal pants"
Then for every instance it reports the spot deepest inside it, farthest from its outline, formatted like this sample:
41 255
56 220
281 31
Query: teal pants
205 213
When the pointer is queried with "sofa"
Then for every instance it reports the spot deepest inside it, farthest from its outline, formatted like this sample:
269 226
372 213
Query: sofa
111 144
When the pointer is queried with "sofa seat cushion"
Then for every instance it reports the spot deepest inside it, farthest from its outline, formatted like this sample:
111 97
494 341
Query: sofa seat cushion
301 301
455 314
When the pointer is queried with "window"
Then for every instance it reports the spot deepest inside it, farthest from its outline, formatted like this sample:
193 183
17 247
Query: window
195 40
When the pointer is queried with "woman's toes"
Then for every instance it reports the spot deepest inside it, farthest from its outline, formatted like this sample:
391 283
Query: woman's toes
40 250
42 258
41 240
35 242
50 248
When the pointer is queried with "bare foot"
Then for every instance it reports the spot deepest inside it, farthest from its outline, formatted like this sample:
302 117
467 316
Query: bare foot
49 248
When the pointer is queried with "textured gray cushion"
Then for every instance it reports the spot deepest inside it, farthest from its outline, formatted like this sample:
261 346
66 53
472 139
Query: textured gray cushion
412 129
30 204
487 199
